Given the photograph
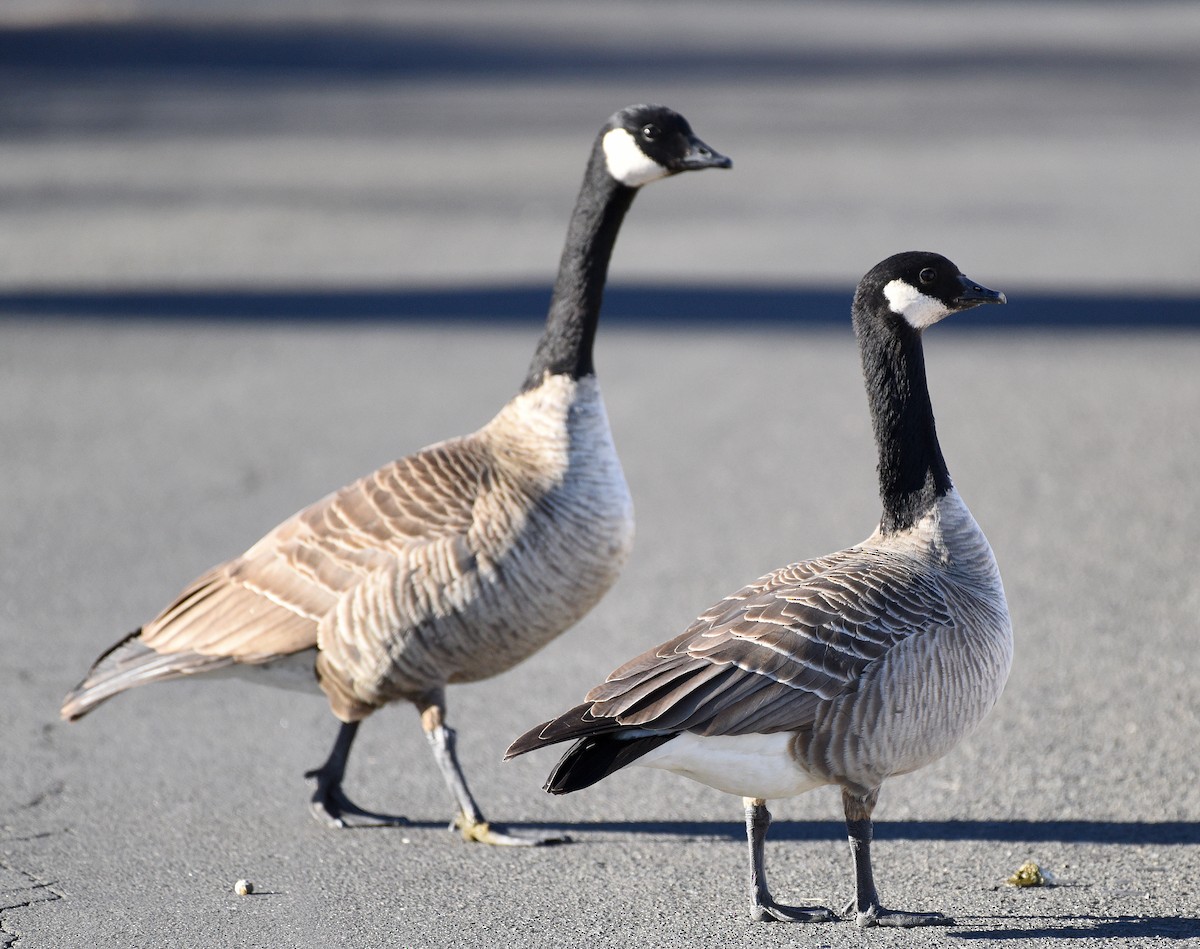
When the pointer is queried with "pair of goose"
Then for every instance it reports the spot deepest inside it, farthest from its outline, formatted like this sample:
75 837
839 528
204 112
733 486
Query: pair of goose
455 563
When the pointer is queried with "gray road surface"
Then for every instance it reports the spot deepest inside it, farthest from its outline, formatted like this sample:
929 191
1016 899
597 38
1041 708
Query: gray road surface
419 161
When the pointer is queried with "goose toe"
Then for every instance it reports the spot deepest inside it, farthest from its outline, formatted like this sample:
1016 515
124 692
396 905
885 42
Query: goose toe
876 915
772 912
483 832
330 806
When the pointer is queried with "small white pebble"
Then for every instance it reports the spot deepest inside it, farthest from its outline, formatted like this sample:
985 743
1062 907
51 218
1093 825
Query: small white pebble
243 888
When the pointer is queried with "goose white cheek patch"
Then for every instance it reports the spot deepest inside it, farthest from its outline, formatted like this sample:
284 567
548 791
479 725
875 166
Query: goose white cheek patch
917 309
628 163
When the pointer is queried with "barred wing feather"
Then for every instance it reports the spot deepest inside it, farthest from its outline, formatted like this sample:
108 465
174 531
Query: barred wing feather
269 601
765 658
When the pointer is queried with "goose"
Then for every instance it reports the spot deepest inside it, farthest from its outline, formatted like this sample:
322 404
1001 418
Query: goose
452 564
843 670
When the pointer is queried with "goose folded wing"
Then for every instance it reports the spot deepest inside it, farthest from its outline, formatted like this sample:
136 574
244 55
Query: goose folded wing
270 601
766 658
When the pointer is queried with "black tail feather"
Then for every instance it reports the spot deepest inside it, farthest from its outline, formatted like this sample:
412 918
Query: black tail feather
597 756
575 723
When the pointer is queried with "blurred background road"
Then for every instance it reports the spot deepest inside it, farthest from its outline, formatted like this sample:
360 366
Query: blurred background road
379 145
250 251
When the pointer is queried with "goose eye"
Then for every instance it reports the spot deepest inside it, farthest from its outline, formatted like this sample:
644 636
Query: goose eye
651 132
928 275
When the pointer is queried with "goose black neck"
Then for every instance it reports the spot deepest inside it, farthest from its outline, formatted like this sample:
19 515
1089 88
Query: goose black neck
566 343
912 471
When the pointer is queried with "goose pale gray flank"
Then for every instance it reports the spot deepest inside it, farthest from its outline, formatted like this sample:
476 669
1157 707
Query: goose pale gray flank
455 563
843 670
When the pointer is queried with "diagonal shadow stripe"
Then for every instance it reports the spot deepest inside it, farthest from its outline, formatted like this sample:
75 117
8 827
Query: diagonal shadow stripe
701 305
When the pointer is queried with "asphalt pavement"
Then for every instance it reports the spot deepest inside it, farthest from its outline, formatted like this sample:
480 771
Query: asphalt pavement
248 254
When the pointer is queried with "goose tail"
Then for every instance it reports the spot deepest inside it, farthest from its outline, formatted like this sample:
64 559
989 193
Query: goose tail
131 663
602 746
591 759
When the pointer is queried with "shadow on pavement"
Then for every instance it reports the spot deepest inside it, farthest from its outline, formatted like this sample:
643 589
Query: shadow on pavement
716 305
1010 831
1089 927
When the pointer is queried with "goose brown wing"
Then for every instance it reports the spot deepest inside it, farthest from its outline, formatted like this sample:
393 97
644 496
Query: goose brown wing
767 657
269 601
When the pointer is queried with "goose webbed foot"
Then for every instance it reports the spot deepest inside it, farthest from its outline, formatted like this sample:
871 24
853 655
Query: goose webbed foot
876 915
483 832
768 911
330 805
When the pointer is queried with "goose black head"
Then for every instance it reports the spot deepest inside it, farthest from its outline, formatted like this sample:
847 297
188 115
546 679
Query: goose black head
921 288
646 142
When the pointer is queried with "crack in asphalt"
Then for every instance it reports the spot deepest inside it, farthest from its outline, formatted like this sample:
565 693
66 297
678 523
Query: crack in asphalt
20 897
53 791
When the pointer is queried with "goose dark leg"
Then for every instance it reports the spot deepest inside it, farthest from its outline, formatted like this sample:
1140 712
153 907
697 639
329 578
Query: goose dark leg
329 802
866 908
762 907
469 820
